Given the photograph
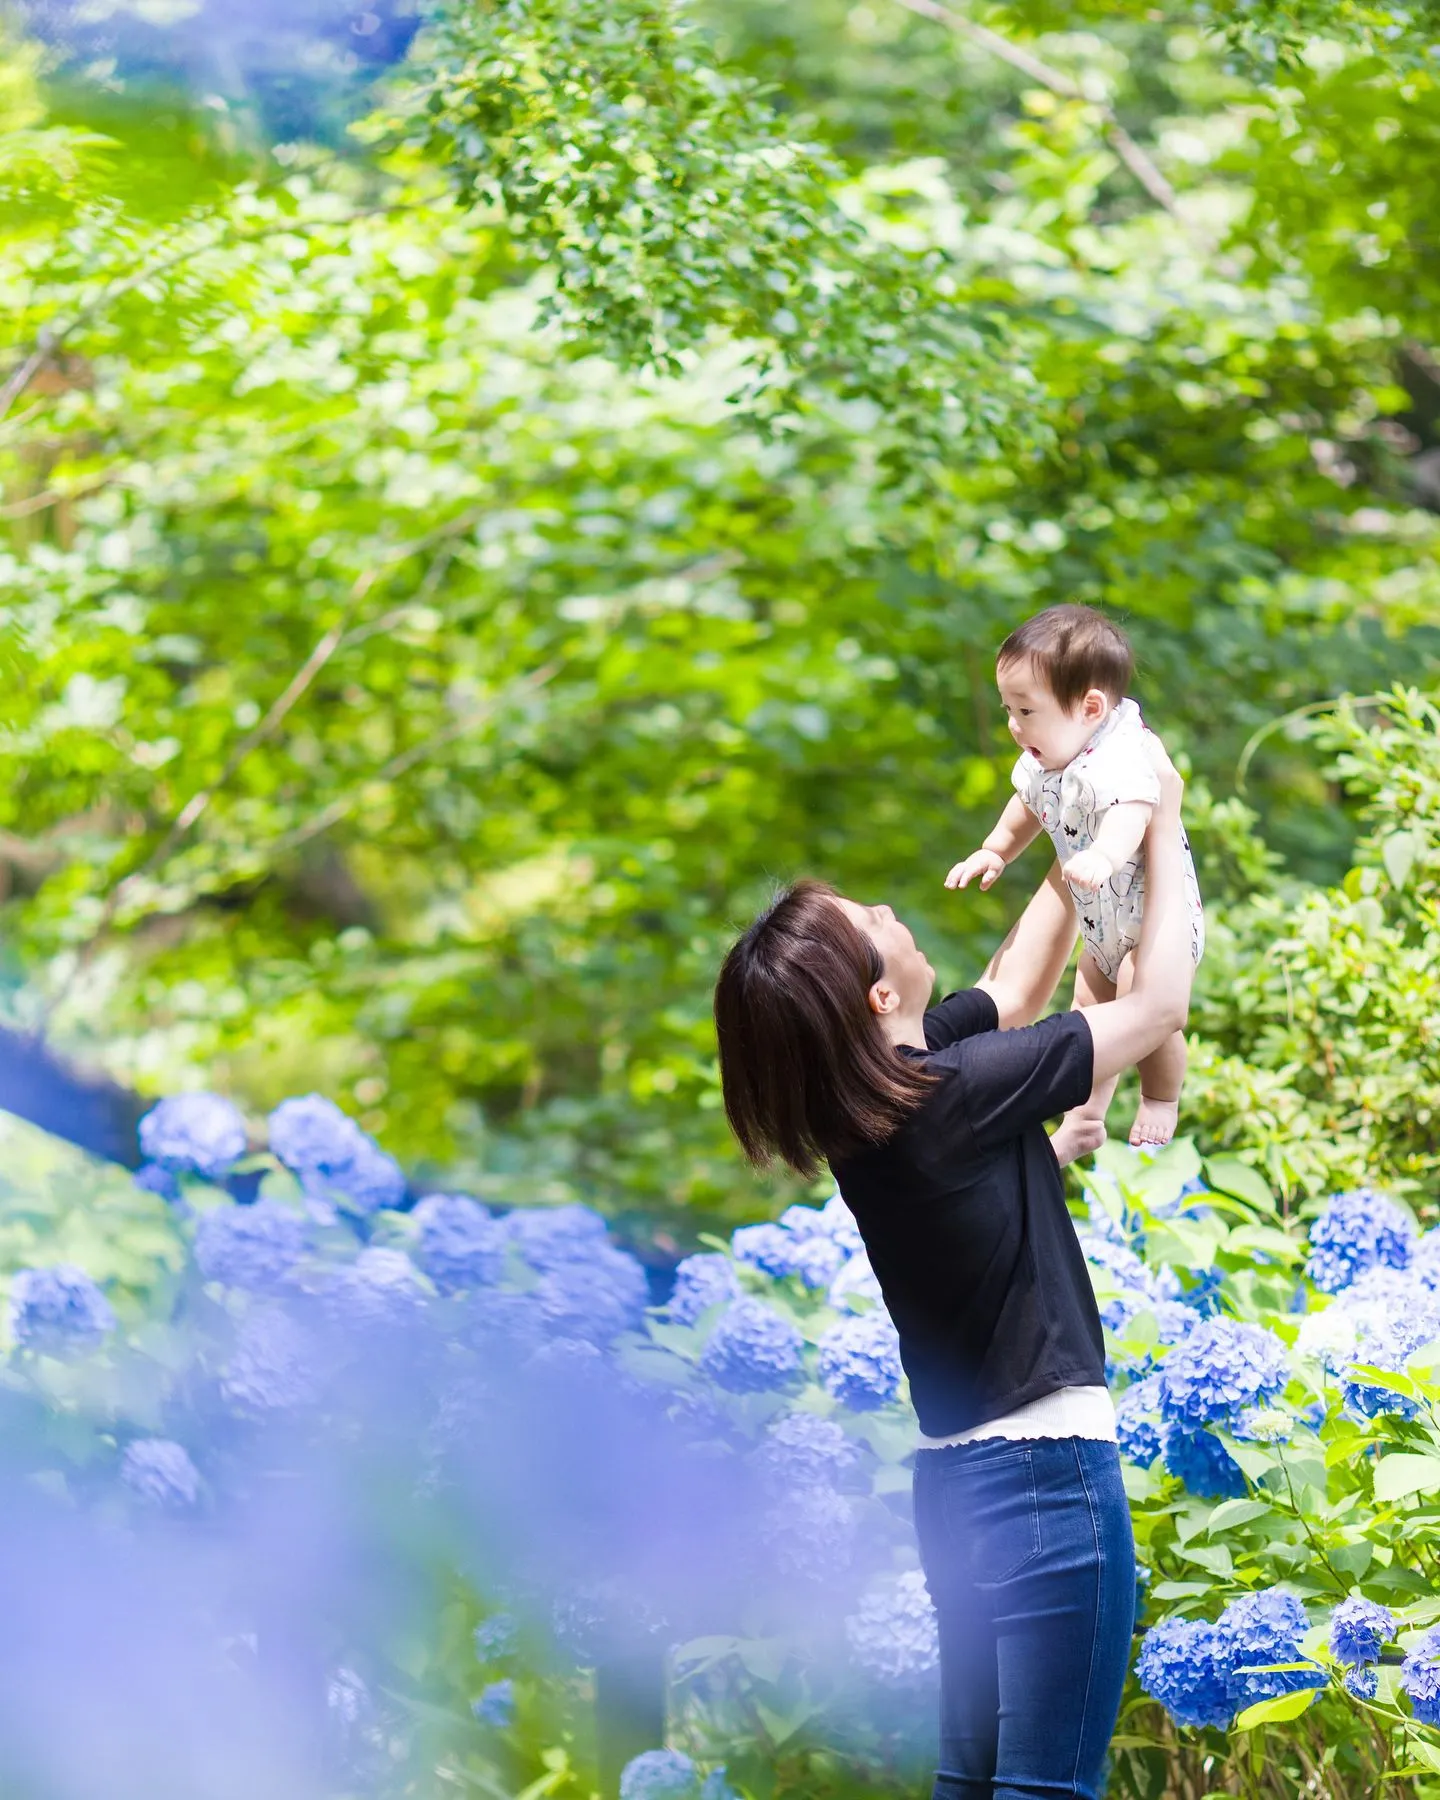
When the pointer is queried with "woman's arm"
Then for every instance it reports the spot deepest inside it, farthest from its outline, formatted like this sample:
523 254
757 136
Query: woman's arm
1025 971
1156 1006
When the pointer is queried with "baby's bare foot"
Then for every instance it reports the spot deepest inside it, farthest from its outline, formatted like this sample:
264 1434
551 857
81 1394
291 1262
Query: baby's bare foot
1075 1137
1154 1123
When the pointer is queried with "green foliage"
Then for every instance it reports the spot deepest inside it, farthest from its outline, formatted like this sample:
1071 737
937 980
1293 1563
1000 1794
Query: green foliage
1320 1009
411 696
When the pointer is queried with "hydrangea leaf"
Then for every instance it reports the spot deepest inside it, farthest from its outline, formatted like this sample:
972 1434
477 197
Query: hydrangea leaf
1278 1709
1231 1176
1402 1474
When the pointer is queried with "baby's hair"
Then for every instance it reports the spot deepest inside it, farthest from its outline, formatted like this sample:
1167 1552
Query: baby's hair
1073 649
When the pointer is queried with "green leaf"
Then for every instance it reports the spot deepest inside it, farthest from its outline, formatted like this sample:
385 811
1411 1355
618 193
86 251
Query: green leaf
1276 1710
1231 1176
1401 1474
1398 852
1424 1750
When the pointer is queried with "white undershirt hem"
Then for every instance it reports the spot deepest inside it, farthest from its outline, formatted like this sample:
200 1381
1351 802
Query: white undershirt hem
1080 1412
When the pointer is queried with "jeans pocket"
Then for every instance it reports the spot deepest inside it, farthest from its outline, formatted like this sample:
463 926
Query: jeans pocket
991 1516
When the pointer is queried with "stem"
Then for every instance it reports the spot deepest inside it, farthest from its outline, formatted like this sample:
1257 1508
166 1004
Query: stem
1134 158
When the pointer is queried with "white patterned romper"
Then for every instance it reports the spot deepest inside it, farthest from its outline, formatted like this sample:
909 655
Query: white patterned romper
1070 803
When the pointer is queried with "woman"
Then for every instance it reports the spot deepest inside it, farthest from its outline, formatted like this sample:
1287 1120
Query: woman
933 1125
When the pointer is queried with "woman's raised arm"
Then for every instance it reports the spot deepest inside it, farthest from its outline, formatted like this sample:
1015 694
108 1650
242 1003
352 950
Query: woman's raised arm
1025 971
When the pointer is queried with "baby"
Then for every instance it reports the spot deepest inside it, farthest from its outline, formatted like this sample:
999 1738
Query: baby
1084 778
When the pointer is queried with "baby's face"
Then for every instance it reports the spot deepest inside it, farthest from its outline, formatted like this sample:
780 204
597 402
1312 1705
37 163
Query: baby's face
1038 722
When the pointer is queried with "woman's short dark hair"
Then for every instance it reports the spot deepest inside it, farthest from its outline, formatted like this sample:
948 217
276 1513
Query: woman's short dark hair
806 1069
1074 649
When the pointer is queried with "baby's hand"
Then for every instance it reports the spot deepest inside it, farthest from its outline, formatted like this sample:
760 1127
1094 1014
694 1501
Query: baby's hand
1089 869
988 865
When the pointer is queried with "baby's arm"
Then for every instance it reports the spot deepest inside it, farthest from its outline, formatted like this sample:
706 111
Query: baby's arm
1120 835
1014 831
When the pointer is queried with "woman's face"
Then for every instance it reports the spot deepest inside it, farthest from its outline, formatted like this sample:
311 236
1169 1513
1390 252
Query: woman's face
906 970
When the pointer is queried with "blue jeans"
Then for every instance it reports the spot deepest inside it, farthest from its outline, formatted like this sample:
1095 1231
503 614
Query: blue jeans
1030 1563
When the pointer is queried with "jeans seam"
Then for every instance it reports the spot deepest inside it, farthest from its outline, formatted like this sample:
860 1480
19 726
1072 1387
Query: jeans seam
1099 1612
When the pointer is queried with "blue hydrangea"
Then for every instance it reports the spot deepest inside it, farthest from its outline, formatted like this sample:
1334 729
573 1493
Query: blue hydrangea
834 1220
1363 1683
811 1534
252 1247
496 1638
459 1244
1392 1318
1202 1462
597 1299
1185 1665
548 1237
1266 1627
379 1289
58 1310
752 1348
160 1472
659 1775
859 1361
716 1786
1358 1231
333 1156
203 1132
856 1283
272 1366
892 1634
1137 1431
496 1704
778 1251
1420 1677
702 1282
155 1178
1220 1368
803 1450
1359 1629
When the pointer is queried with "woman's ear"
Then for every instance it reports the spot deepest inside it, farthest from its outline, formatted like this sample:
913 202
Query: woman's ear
883 998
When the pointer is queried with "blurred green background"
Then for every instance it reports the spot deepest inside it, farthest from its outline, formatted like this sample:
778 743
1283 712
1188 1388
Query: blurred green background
484 496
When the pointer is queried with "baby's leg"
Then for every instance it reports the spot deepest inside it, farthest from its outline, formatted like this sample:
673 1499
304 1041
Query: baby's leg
1162 1074
1083 1127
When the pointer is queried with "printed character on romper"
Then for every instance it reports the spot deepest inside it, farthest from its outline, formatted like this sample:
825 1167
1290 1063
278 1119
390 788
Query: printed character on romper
1084 778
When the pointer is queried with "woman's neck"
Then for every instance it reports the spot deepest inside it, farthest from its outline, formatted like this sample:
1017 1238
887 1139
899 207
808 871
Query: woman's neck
906 1028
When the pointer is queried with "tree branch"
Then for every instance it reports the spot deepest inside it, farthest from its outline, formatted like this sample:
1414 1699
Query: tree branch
1135 159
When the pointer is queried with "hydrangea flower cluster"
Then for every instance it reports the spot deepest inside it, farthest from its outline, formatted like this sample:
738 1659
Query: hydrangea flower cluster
811 1534
253 1247
460 1244
496 1704
1185 1665
333 1156
859 1361
1379 1321
1359 1629
776 1251
550 1237
1202 1462
1137 1426
892 1635
752 1348
1203 1674
1266 1627
803 1450
659 1775
1222 1367
702 1282
380 1288
58 1311
1127 1287
272 1366
595 1300
1420 1677
160 1472
1358 1231
200 1132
